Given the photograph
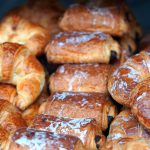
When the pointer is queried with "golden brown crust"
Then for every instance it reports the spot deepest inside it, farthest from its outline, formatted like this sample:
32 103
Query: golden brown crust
18 30
140 102
7 92
29 139
126 133
20 68
129 85
110 19
10 118
127 76
82 47
134 29
3 137
45 13
80 78
128 144
85 129
125 125
29 114
80 105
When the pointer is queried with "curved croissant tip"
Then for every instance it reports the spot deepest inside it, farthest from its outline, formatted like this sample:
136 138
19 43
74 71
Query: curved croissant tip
113 56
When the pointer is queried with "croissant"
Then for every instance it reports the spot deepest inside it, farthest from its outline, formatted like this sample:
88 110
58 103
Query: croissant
7 92
85 129
29 114
20 68
110 19
140 102
3 137
29 139
45 13
129 85
80 78
10 117
80 105
18 30
128 144
82 47
127 133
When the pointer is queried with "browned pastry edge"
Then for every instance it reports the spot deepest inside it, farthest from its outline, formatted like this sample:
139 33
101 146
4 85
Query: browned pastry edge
20 68
11 118
113 19
85 129
80 78
80 105
19 30
82 47
127 76
29 114
127 133
140 102
28 139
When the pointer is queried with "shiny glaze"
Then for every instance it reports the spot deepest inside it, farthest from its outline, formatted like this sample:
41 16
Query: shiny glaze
81 47
125 125
80 78
3 135
127 76
78 37
107 18
10 117
7 92
81 128
79 105
45 13
18 30
127 133
140 97
31 139
18 67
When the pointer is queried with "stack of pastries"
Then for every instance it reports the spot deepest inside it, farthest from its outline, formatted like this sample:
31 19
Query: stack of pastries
89 45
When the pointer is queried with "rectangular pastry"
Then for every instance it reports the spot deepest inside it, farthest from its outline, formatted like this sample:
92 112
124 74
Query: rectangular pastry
80 78
85 129
80 105
30 139
108 18
82 47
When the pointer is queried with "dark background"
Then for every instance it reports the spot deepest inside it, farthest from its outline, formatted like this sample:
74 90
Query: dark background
140 8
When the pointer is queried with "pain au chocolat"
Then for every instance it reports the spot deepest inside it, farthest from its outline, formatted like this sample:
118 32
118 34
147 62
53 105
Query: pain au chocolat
86 129
80 105
82 47
29 139
80 78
